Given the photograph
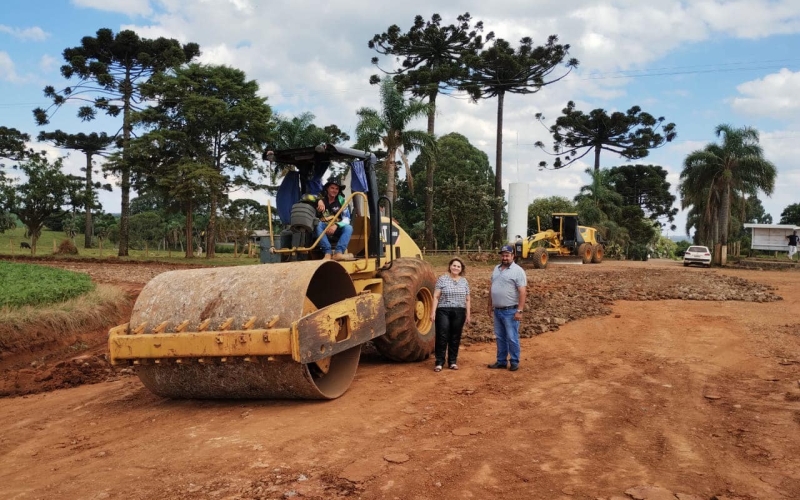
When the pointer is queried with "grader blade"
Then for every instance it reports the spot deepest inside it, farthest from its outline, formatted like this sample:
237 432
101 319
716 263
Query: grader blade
565 259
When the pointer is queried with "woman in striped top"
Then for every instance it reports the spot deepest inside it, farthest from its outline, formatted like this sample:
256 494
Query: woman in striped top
451 309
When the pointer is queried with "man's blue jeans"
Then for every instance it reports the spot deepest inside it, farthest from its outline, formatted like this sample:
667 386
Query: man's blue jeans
343 232
506 332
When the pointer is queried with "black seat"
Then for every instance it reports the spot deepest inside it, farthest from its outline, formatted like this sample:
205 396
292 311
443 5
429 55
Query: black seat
571 236
304 216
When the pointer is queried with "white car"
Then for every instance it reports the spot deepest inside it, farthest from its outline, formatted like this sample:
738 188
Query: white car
697 255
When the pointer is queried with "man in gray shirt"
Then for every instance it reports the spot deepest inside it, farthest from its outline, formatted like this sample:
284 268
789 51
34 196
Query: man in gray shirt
506 305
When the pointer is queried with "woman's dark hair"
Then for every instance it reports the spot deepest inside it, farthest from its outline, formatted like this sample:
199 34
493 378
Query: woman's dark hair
463 267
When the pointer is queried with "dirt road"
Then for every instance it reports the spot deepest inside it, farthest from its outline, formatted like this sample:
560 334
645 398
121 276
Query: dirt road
644 398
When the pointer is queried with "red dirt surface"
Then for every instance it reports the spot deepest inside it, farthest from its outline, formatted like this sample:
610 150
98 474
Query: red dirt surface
632 386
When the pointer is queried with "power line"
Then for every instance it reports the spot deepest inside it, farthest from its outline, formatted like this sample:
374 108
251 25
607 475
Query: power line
673 73
695 68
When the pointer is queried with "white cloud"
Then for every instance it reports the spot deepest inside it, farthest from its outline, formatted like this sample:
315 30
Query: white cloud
7 70
47 63
129 7
35 33
782 147
749 18
774 96
623 36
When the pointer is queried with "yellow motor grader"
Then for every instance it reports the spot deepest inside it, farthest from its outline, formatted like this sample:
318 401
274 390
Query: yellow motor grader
292 329
566 241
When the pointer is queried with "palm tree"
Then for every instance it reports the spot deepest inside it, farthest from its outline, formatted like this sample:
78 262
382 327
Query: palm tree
299 132
295 132
601 194
703 204
720 173
388 127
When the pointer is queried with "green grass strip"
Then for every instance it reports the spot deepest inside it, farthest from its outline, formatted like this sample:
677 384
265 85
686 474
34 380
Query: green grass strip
29 284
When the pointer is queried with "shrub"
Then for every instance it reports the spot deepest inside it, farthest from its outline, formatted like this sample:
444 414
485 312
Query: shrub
638 252
67 247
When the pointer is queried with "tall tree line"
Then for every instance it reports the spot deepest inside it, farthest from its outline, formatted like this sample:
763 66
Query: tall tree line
436 58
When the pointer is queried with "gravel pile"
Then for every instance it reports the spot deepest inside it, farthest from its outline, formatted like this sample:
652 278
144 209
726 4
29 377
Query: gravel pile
561 294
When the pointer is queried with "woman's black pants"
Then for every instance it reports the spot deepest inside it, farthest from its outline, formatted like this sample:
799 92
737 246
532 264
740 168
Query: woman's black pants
449 323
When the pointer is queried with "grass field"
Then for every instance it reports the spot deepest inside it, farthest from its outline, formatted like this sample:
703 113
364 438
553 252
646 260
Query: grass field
10 246
10 240
29 284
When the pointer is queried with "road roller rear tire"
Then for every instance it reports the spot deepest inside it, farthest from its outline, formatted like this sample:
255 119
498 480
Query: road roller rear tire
408 296
540 258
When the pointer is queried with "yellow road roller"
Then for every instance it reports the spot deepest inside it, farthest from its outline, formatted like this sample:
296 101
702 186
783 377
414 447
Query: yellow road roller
294 328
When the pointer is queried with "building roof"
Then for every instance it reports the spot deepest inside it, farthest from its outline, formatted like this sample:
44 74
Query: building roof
772 226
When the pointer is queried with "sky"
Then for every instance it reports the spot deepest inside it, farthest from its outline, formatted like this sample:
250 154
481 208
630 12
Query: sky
696 63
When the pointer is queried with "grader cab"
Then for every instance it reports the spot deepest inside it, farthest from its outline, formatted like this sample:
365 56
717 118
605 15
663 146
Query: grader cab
292 329
566 241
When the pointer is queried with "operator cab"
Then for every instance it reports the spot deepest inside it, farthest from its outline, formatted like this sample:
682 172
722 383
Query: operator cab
296 198
567 225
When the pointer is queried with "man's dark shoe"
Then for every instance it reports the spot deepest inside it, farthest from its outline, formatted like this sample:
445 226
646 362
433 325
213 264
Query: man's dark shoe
514 367
497 365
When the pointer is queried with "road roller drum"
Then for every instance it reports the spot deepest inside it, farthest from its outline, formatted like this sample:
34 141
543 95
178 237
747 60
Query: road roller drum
272 331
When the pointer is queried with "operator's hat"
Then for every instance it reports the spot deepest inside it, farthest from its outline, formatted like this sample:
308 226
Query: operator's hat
506 248
336 181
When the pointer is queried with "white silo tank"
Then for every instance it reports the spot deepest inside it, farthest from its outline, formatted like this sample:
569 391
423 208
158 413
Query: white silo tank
517 210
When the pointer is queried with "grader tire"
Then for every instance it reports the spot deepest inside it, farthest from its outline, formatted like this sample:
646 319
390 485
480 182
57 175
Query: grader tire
540 258
597 253
408 296
585 253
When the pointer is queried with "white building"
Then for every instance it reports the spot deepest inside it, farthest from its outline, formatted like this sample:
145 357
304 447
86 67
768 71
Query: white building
771 237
